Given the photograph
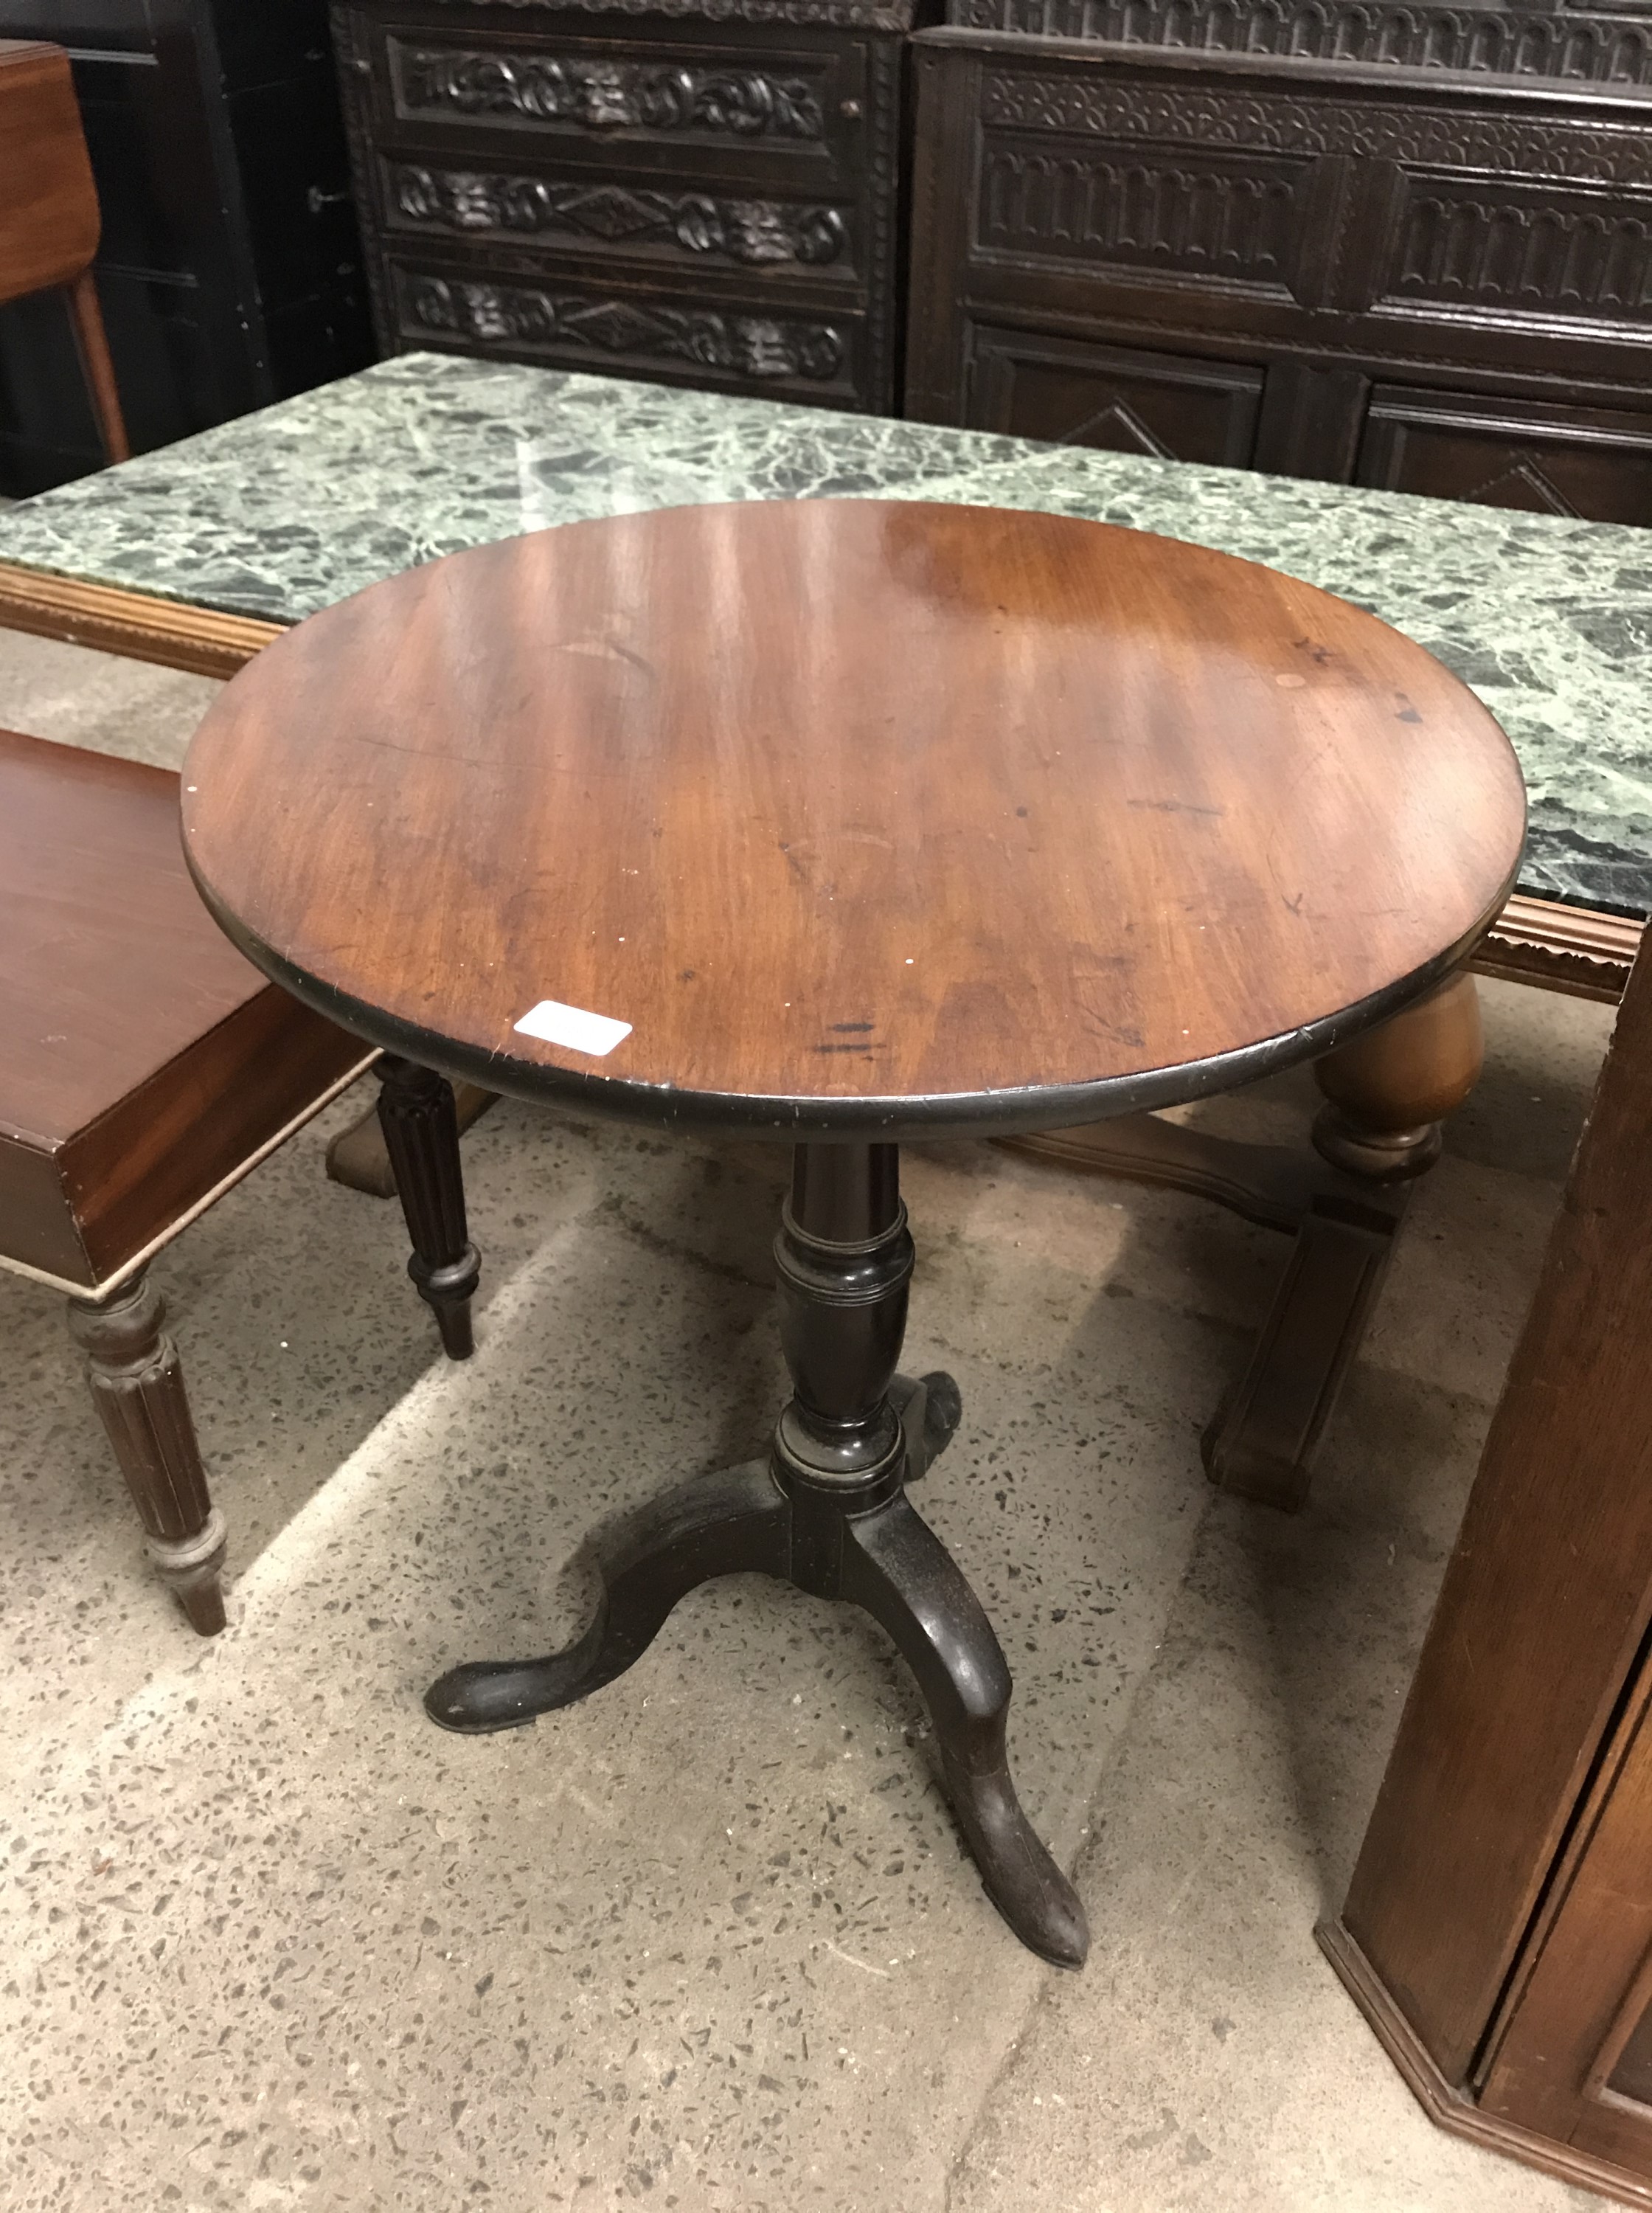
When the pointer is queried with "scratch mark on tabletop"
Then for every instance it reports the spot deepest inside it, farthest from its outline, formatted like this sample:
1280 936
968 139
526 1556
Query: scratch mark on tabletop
604 648
1173 807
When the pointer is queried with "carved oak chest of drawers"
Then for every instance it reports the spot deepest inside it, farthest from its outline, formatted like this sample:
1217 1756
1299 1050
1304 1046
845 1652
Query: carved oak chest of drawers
705 191
1388 241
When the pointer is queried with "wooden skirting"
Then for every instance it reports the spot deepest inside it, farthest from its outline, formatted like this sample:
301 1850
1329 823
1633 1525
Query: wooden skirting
1452 2109
132 624
1559 949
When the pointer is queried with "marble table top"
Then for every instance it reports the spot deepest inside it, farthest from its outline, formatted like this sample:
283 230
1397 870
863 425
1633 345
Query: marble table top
281 513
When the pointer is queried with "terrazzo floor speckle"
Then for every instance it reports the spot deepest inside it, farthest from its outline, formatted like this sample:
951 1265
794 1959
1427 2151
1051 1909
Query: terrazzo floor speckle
709 1941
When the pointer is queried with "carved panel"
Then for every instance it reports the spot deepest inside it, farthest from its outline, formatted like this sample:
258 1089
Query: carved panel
1127 208
1515 42
1545 459
1119 400
714 227
888 15
1289 123
603 94
493 316
1546 252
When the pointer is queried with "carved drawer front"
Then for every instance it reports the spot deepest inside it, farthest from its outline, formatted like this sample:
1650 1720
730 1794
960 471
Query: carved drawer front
798 105
693 227
1175 407
1129 209
578 320
1549 460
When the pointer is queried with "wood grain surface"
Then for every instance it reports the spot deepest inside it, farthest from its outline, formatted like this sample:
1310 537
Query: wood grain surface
107 972
859 813
49 221
146 1061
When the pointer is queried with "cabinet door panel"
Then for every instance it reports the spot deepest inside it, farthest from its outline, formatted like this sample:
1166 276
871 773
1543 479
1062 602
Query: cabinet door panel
1173 407
1572 2062
1551 460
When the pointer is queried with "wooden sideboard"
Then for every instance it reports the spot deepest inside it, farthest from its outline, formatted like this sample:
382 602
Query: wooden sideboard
704 191
1408 247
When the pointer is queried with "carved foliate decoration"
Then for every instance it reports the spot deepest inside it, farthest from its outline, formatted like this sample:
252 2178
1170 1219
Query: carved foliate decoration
1404 34
718 227
848 89
606 95
1289 123
761 347
1132 210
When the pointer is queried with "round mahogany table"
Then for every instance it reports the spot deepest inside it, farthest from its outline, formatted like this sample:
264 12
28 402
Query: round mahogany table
841 822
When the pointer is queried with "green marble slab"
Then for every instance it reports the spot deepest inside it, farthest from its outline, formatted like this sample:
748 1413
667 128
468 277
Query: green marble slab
283 512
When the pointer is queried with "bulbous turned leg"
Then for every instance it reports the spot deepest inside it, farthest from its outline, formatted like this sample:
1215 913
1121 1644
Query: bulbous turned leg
1387 1094
421 1135
137 1388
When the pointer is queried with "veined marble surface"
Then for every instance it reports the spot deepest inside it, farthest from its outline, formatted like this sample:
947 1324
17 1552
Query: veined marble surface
282 513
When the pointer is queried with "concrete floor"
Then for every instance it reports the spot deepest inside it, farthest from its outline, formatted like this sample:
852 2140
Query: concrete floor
709 1941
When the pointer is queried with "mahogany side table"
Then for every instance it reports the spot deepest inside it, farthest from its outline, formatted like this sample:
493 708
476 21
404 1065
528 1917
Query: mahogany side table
841 822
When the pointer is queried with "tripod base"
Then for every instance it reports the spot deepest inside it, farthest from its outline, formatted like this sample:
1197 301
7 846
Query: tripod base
856 1538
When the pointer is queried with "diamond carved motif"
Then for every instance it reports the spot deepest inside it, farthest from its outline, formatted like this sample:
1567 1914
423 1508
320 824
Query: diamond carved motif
1522 485
1120 419
607 211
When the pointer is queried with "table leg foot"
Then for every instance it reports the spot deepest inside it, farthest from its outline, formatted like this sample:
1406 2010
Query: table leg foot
897 1568
715 1525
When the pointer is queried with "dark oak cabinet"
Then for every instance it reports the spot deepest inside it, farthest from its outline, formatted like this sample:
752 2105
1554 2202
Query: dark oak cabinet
702 193
229 269
1407 247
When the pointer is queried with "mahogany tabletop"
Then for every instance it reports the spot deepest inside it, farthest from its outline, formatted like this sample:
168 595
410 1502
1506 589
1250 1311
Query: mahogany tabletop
844 817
